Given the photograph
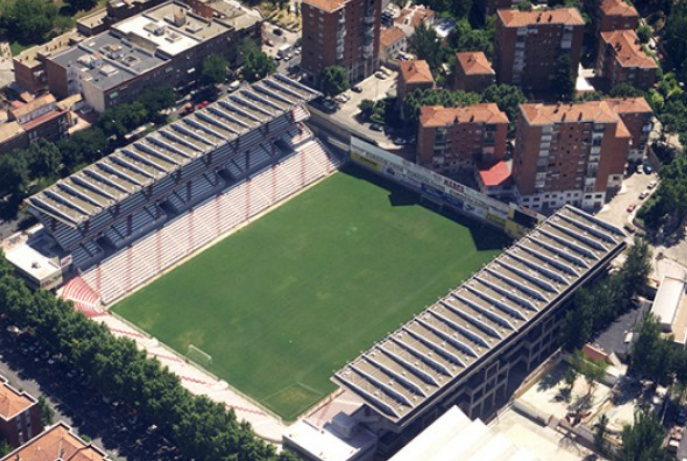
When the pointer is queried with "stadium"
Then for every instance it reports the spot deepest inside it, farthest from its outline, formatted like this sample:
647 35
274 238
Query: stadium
237 238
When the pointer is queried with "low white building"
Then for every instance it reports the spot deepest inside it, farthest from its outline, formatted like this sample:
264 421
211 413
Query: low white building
670 308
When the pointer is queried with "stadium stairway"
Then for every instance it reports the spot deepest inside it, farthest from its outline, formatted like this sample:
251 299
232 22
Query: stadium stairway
83 296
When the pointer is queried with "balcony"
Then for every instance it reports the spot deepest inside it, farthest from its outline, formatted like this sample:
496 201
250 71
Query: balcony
369 20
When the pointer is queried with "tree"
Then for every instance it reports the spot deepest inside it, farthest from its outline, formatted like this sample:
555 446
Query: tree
508 98
14 174
425 45
643 440
674 37
44 159
366 107
644 34
562 80
652 357
29 21
213 70
600 430
334 80
625 90
47 413
256 64
86 145
524 6
5 448
81 5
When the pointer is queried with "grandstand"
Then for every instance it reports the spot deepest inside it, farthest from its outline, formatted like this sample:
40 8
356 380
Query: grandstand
193 179
461 349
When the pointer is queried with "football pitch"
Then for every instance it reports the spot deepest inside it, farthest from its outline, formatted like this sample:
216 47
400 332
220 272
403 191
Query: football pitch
284 302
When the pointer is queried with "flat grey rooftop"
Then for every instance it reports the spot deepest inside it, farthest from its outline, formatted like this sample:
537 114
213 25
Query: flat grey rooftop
439 346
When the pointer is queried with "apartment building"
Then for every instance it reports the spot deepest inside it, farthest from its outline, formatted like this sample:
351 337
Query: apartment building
621 59
473 72
456 138
42 118
393 40
342 33
569 154
616 15
58 443
637 116
528 44
29 65
20 415
413 75
115 11
164 45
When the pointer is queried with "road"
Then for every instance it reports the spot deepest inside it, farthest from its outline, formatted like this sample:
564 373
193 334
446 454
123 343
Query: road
110 427
615 211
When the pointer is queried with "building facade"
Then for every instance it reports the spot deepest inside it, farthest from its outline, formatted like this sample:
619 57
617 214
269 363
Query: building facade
473 72
528 44
413 75
165 45
20 415
569 154
42 118
342 33
393 40
621 59
456 138
637 116
616 15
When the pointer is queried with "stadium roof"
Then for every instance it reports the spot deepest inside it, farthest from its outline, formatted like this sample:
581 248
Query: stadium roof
155 157
442 345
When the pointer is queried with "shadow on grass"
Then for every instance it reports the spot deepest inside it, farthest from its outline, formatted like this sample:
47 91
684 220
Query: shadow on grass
484 236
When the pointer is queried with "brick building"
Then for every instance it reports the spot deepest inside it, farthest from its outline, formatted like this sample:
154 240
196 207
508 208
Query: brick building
621 59
473 72
341 33
29 65
616 15
569 154
413 75
42 118
166 45
456 138
20 415
58 443
115 11
528 43
636 114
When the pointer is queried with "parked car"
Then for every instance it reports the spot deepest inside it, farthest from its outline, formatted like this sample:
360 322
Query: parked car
638 170
277 31
380 75
652 184
329 105
342 98
376 127
631 207
203 104
399 141
643 194
233 86
357 89
630 228
648 169
269 42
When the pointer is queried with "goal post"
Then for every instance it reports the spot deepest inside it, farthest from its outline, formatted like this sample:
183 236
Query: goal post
195 354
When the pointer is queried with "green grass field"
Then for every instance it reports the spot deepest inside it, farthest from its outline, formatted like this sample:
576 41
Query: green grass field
286 301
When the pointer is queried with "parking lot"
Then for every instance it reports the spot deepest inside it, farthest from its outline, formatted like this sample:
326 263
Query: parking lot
616 210
374 89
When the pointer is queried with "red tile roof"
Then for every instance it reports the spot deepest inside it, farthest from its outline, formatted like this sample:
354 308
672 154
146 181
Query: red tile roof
413 17
629 105
13 402
474 63
565 16
494 174
326 5
391 35
416 72
435 116
618 8
590 111
627 49
56 444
